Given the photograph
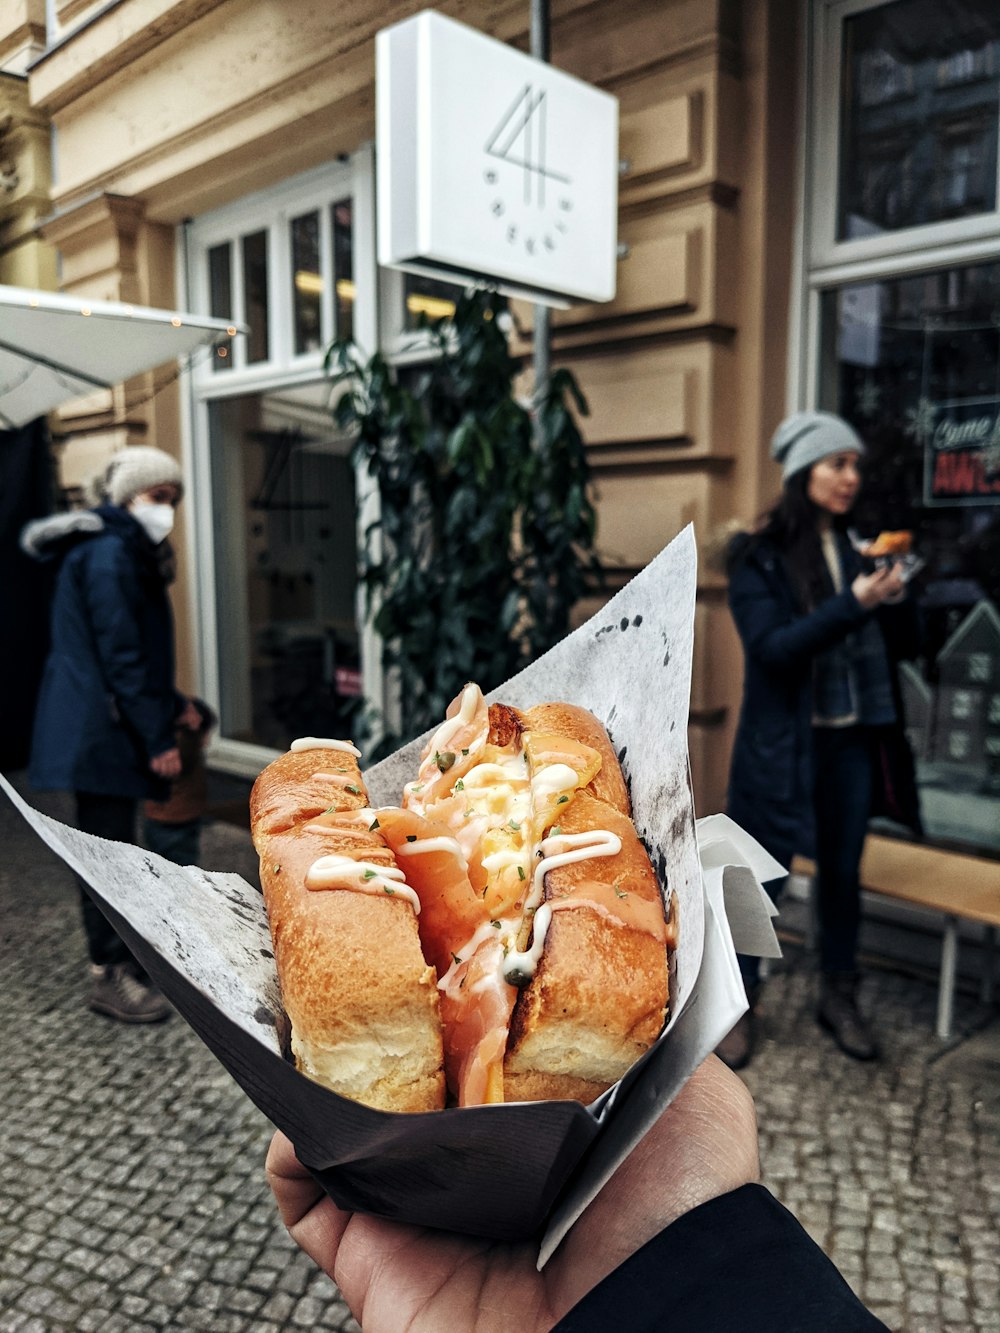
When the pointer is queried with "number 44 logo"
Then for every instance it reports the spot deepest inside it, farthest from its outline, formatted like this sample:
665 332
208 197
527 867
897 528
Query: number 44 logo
520 140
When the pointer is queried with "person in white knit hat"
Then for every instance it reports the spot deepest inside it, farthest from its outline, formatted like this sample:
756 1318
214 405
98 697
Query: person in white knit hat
107 709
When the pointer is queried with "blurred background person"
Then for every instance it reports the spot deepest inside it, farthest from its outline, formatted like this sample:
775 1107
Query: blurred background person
107 709
819 697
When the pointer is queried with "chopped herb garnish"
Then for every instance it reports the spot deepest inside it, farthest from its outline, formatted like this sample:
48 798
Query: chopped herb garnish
520 872
355 791
390 892
373 826
444 759
619 893
506 951
369 874
328 809
459 785
417 787
555 830
562 800
466 750
411 837
455 958
514 825
277 870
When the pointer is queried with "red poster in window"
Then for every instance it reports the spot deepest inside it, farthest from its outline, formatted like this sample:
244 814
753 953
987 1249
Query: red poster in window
961 440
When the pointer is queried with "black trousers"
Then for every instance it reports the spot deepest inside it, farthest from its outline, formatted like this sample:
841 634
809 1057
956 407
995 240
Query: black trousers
844 791
110 817
844 767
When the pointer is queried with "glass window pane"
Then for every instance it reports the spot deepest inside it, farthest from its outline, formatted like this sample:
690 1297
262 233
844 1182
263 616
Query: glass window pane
307 283
255 295
342 221
427 297
914 364
220 296
284 533
920 97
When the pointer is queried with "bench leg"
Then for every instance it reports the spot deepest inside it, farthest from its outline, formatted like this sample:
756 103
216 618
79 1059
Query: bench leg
986 978
946 981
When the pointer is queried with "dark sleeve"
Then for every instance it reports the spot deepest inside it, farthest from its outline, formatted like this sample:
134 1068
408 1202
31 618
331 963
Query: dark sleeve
774 638
113 598
739 1264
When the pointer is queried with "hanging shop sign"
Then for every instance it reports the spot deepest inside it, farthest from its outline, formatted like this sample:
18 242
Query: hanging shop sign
493 167
961 444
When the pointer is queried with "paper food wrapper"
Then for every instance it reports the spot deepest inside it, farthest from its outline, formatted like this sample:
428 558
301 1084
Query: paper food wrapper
519 1170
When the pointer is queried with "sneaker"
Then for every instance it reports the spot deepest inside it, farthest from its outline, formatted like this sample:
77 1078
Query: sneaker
736 1047
119 993
838 1013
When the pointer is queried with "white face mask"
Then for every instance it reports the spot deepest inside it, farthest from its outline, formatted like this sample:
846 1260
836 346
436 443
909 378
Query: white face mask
157 520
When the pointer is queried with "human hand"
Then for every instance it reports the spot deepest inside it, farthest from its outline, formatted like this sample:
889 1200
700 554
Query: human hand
885 584
405 1279
167 764
189 718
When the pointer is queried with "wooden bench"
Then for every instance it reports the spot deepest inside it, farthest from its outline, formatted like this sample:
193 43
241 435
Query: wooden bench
960 887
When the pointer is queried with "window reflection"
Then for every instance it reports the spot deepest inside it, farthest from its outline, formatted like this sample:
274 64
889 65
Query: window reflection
914 364
427 298
220 297
920 98
255 301
341 216
307 283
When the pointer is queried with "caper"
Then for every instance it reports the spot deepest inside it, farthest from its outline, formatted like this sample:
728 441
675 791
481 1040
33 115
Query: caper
444 760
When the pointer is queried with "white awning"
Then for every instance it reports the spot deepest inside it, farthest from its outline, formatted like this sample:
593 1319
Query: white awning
54 348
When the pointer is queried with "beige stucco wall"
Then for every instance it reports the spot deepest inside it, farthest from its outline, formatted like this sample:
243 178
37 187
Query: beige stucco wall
166 108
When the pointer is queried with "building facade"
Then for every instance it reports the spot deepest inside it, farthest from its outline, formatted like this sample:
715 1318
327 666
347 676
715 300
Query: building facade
808 215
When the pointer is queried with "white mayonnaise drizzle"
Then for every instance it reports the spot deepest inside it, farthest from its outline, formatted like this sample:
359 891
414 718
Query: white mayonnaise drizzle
520 964
324 743
343 872
487 931
554 778
576 847
434 845
472 697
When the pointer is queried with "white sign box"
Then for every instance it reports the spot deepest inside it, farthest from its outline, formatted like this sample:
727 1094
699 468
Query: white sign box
493 166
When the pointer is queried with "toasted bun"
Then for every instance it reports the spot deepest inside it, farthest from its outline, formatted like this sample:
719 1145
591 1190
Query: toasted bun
598 998
361 1000
890 543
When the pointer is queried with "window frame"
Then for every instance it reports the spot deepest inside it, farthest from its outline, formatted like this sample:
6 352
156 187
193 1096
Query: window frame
824 250
271 208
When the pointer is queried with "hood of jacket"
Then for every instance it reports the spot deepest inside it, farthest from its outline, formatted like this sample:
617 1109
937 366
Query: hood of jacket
47 538
51 538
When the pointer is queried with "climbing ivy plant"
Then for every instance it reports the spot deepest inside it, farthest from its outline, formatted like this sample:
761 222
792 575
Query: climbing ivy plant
486 536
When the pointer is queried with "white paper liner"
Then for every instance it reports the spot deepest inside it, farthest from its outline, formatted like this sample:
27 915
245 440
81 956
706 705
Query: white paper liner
205 940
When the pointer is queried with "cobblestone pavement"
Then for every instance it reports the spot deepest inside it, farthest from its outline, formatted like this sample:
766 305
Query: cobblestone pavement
132 1195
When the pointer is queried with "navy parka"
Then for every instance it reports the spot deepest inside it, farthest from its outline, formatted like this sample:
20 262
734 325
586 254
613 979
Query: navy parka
771 778
107 704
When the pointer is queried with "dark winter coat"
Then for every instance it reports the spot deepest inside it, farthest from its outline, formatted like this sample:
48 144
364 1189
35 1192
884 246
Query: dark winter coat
107 703
771 777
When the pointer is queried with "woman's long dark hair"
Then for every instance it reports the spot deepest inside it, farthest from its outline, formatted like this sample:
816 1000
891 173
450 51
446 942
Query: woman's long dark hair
793 527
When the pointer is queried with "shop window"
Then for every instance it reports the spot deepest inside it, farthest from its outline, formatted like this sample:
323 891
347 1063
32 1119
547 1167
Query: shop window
342 228
914 363
255 294
220 287
286 587
920 96
307 283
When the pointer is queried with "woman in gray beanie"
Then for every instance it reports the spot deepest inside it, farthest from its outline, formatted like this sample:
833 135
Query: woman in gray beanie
819 693
107 710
